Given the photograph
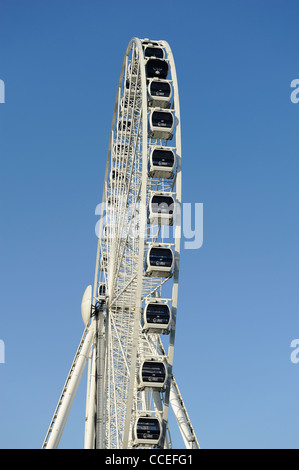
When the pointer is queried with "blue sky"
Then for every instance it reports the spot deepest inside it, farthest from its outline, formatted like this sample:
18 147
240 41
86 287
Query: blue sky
238 298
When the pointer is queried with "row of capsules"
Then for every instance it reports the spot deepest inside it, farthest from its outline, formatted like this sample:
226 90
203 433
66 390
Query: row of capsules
159 259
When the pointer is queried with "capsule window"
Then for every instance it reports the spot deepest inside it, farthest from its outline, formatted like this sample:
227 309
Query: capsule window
153 371
153 51
111 200
152 374
161 210
117 176
106 233
162 204
162 158
120 149
160 119
123 125
161 125
159 93
104 262
158 262
147 430
156 315
102 290
161 163
114 174
156 68
162 257
159 88
133 81
125 103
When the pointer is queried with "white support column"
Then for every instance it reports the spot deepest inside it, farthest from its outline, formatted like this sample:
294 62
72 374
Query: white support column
70 393
100 361
90 415
182 417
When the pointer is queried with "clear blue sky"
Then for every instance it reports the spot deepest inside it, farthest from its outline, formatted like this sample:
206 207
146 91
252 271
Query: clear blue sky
239 298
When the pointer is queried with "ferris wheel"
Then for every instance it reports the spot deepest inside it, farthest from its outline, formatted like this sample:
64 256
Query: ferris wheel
130 312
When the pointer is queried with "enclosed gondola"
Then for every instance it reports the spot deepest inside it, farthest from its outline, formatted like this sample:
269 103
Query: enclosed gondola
159 93
161 209
131 81
161 124
152 375
156 317
161 163
124 125
102 291
147 431
106 234
156 68
120 150
111 201
117 177
127 106
159 261
104 263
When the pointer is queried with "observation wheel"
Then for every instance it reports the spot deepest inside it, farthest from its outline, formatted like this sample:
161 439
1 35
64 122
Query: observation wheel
130 314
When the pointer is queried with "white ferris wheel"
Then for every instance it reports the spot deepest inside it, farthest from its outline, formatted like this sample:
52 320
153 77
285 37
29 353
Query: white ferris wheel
130 312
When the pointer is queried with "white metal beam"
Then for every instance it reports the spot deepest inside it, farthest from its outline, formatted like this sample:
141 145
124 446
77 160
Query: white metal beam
69 391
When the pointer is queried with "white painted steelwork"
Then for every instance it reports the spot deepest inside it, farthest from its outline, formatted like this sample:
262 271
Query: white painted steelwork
119 338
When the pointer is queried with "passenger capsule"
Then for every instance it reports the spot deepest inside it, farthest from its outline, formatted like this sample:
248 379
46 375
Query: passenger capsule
105 233
156 68
161 124
147 430
102 291
117 177
152 374
156 317
124 125
133 70
161 163
111 200
120 150
161 209
126 105
159 93
104 263
131 83
159 262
